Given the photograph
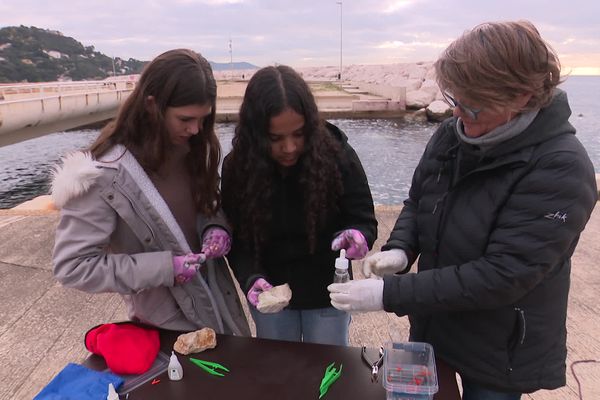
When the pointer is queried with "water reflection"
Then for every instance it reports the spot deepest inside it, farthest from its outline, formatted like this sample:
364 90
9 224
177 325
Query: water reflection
389 149
25 168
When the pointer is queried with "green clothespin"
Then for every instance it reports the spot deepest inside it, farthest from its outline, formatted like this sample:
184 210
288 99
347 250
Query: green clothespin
209 366
331 375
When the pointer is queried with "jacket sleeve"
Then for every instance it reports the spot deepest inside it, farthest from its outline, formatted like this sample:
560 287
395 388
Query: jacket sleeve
535 233
204 222
356 205
82 258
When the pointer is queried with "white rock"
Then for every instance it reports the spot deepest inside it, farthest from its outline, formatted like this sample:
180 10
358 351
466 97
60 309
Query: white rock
430 73
417 116
430 86
195 342
274 299
438 111
417 99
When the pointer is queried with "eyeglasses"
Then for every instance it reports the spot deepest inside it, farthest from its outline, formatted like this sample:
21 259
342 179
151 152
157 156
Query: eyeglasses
471 112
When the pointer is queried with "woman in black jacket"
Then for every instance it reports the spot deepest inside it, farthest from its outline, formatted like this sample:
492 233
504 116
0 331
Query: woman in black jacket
495 210
295 192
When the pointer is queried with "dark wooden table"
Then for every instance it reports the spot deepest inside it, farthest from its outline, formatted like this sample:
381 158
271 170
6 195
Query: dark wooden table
265 369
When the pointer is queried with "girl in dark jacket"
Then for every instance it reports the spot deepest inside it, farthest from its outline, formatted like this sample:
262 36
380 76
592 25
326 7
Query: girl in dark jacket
295 192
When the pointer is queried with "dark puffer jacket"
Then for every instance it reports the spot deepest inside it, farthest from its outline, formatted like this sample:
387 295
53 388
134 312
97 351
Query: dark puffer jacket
495 232
286 257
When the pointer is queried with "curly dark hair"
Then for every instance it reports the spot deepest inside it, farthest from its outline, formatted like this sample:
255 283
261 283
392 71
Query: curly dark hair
175 78
250 170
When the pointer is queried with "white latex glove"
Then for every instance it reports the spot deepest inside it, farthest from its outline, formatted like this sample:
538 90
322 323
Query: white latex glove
361 295
385 262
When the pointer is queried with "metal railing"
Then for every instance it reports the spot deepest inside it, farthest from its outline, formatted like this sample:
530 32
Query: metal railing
36 109
18 90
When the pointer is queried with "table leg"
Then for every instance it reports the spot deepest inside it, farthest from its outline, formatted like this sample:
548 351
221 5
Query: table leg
447 382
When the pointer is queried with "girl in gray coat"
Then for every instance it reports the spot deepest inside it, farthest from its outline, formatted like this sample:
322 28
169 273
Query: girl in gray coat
139 209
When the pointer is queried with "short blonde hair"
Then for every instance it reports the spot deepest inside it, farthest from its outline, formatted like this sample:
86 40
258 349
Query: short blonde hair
495 62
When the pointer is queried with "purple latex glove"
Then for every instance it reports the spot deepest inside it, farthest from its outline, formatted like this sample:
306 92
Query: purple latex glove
259 286
186 266
216 242
353 241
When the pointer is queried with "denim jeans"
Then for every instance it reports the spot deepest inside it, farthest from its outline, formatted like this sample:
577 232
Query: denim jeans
473 391
320 325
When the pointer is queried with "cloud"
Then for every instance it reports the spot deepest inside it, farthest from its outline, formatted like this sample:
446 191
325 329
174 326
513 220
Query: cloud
399 45
299 33
390 7
208 2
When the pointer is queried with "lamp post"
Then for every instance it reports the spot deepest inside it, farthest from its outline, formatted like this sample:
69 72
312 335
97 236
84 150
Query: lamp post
341 7
231 58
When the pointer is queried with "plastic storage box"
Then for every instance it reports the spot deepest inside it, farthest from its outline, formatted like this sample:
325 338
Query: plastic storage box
131 382
409 371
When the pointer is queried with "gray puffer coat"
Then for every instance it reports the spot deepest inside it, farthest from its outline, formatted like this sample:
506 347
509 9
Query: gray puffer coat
495 232
116 234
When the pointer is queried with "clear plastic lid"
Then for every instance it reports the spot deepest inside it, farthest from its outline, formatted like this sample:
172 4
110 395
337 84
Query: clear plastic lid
409 368
131 382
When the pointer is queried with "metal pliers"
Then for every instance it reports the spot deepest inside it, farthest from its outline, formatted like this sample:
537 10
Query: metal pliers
209 366
373 365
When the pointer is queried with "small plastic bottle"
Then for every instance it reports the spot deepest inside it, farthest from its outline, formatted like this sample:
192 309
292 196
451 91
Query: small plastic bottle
341 268
175 370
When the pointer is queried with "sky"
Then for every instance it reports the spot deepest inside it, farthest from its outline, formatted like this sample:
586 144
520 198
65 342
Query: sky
307 33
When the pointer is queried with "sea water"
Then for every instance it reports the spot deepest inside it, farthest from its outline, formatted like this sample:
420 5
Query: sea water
388 149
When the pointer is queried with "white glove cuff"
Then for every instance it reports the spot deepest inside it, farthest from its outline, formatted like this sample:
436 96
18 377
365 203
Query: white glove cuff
399 258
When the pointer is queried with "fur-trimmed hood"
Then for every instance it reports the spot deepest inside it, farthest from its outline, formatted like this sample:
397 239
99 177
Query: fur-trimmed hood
73 176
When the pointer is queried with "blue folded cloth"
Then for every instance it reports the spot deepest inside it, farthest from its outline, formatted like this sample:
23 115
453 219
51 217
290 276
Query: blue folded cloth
76 382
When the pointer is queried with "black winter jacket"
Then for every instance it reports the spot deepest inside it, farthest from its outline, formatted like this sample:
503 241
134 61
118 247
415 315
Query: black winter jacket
495 233
285 257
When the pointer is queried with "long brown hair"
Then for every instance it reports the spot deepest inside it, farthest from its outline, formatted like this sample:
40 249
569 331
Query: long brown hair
175 78
251 170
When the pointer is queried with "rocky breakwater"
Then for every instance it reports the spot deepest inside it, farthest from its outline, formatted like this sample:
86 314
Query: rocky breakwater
422 94
413 82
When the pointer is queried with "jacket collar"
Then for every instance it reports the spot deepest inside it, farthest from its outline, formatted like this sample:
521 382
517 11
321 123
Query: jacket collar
549 122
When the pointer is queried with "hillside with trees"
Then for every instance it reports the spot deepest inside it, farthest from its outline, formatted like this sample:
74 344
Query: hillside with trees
30 54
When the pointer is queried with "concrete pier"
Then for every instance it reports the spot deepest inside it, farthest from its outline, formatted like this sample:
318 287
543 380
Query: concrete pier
28 111
31 110
42 324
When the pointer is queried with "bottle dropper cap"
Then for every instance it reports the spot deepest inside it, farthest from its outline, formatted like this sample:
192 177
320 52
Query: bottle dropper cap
112 393
341 262
175 370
